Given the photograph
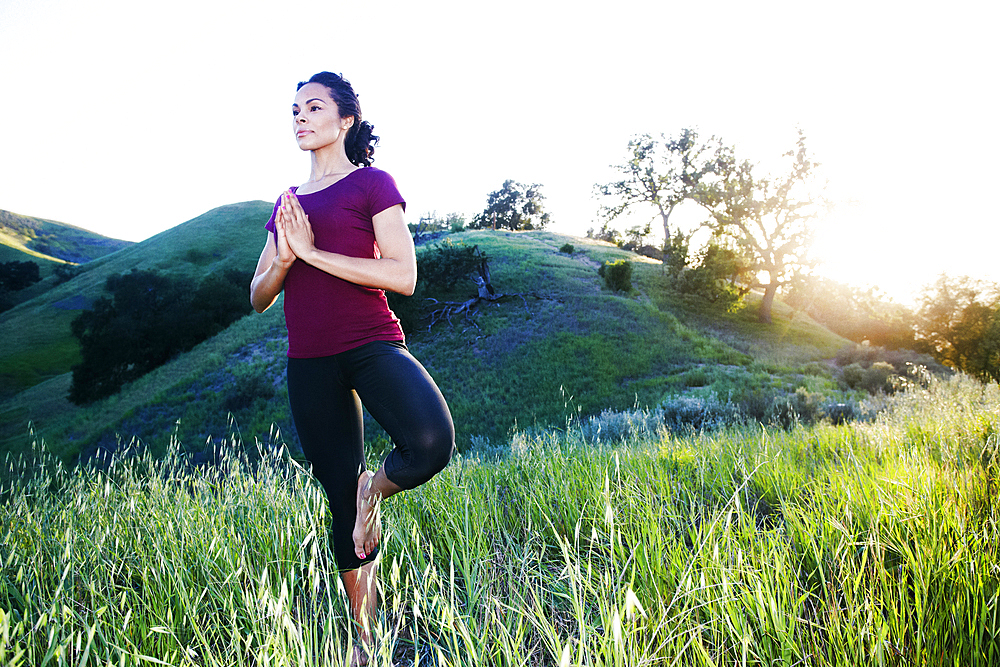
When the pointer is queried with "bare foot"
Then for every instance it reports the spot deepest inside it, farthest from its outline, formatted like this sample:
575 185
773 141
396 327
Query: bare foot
368 524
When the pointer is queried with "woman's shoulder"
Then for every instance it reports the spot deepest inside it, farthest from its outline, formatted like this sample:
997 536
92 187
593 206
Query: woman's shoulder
375 174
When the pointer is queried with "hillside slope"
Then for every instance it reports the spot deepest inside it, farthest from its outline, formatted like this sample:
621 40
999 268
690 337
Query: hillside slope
569 347
38 341
51 241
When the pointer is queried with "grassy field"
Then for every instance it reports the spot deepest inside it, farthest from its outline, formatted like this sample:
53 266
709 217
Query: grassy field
608 541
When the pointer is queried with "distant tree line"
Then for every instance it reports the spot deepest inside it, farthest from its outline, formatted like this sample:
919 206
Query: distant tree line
431 225
147 319
956 319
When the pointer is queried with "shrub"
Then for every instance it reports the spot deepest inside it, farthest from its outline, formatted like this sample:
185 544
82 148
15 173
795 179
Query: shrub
840 413
442 265
617 426
684 413
876 377
440 269
873 368
617 275
901 360
66 272
456 222
854 375
567 248
16 276
801 407
247 389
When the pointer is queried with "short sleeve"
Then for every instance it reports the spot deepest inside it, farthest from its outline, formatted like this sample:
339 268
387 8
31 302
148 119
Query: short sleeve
274 213
383 193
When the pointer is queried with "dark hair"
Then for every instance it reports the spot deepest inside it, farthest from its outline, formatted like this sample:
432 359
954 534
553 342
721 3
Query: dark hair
360 142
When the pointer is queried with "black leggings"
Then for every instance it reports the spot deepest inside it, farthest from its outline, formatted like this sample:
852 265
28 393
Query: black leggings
403 399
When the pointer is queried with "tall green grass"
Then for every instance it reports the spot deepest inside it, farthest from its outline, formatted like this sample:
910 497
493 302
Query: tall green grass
873 543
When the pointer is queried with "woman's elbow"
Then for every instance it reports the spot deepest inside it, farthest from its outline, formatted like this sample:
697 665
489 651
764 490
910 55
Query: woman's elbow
408 288
407 283
258 300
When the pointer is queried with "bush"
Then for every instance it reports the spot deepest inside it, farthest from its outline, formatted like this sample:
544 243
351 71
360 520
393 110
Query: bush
441 266
567 248
874 368
66 272
684 413
854 375
877 376
440 269
720 277
617 275
246 390
15 276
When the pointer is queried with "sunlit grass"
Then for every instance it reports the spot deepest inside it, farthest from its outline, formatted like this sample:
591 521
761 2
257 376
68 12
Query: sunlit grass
872 544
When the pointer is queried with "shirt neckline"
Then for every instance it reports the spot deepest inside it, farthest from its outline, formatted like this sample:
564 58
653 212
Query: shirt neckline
295 188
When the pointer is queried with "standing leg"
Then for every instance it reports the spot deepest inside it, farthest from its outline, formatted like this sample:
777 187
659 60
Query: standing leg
362 593
327 415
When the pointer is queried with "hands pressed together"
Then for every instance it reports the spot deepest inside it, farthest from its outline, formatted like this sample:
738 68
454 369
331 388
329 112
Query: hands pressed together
294 233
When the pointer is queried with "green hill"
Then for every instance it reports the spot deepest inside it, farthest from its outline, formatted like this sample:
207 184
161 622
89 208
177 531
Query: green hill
39 344
48 244
51 241
574 348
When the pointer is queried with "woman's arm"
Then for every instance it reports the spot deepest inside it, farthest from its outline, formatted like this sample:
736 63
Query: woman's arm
395 270
272 267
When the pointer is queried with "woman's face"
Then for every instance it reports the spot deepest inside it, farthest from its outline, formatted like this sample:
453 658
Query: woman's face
316 120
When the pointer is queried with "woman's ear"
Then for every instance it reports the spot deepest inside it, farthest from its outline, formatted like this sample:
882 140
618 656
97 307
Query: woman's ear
346 123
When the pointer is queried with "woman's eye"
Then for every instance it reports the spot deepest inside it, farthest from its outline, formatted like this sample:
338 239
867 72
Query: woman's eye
295 112
314 108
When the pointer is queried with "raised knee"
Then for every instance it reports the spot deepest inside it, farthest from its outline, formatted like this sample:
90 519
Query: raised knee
438 451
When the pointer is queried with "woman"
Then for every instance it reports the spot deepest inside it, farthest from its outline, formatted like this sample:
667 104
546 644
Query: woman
334 244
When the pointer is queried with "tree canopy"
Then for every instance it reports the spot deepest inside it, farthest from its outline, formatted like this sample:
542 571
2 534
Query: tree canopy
660 174
959 323
770 217
514 206
149 318
16 276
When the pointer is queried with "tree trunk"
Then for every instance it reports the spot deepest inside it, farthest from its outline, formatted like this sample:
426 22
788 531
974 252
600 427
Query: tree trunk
764 315
665 255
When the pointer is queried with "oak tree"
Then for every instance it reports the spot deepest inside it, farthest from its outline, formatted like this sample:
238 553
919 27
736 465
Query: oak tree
772 217
514 206
659 175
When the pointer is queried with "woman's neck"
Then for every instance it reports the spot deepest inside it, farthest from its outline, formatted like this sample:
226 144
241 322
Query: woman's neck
327 163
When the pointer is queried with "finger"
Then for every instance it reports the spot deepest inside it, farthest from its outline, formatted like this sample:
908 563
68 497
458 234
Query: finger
295 207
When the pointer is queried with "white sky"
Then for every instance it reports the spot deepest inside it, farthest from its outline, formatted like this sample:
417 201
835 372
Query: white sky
128 117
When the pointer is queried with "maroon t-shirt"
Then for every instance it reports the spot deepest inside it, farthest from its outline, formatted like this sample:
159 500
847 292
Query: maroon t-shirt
326 315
